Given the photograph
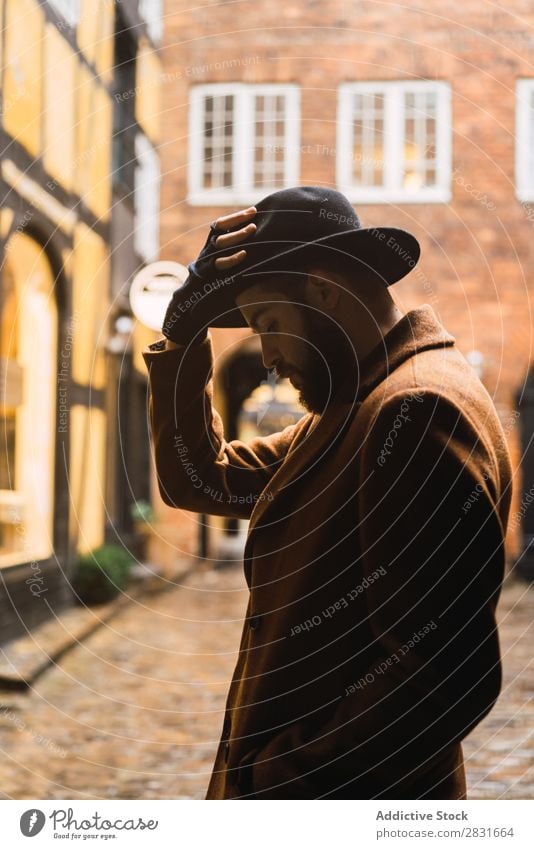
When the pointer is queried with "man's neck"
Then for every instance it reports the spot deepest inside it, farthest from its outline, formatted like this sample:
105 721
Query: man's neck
369 332
365 338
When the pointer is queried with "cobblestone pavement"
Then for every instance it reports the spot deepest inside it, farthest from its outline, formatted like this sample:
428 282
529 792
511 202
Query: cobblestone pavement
499 753
136 710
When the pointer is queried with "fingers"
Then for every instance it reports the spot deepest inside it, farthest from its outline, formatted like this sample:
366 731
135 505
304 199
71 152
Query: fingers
226 240
235 217
229 261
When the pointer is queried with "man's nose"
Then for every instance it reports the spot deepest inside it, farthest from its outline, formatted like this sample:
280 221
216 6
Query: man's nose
269 351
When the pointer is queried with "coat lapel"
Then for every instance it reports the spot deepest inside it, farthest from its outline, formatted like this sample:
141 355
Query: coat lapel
312 443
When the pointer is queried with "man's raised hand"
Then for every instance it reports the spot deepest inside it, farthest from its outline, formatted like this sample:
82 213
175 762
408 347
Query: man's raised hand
226 240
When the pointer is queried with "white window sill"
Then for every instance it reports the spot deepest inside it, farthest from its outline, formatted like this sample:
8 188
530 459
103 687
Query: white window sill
359 196
231 198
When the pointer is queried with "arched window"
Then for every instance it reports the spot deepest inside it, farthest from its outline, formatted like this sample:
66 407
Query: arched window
28 345
251 404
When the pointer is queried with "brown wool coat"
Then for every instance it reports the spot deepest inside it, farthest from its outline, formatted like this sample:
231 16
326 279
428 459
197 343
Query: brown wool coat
374 558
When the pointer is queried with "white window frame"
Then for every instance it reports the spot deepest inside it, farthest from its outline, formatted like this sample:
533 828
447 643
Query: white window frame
242 190
392 191
151 11
146 199
524 138
68 9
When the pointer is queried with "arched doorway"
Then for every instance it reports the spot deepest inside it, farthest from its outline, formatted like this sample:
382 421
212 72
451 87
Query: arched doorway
28 350
251 403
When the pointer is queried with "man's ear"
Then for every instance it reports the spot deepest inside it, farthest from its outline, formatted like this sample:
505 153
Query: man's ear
323 290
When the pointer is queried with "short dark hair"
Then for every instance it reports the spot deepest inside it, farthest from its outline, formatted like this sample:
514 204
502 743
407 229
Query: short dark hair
352 272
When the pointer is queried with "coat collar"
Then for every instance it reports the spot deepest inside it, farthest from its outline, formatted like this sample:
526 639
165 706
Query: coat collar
418 330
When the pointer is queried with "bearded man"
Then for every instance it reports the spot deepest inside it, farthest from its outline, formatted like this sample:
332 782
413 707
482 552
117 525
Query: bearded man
375 547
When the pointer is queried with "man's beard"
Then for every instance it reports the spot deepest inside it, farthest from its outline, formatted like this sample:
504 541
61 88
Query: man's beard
329 360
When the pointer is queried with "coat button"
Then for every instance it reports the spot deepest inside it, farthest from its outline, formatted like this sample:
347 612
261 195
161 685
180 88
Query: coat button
226 751
254 622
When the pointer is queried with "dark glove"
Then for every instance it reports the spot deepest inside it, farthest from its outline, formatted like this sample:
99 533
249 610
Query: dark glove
192 307
178 325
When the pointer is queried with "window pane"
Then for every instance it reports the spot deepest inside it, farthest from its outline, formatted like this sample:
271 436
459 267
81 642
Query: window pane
419 152
269 143
146 200
218 137
152 12
368 139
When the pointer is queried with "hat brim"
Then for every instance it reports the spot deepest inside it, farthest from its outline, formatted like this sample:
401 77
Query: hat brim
388 253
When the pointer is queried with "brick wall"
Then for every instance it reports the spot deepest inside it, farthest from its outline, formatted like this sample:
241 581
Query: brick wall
477 251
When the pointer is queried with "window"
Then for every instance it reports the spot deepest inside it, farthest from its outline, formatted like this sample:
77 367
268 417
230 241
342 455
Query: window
146 200
394 141
525 140
68 9
243 139
152 13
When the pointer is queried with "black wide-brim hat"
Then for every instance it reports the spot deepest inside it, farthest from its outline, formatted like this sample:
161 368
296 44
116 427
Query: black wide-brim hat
301 223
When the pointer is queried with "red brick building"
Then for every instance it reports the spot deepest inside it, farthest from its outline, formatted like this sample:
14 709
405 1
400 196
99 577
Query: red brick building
425 121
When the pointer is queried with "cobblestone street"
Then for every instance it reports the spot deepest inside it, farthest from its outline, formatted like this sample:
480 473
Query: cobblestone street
499 753
135 710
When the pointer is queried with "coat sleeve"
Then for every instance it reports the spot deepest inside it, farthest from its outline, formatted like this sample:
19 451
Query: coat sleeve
197 469
429 526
